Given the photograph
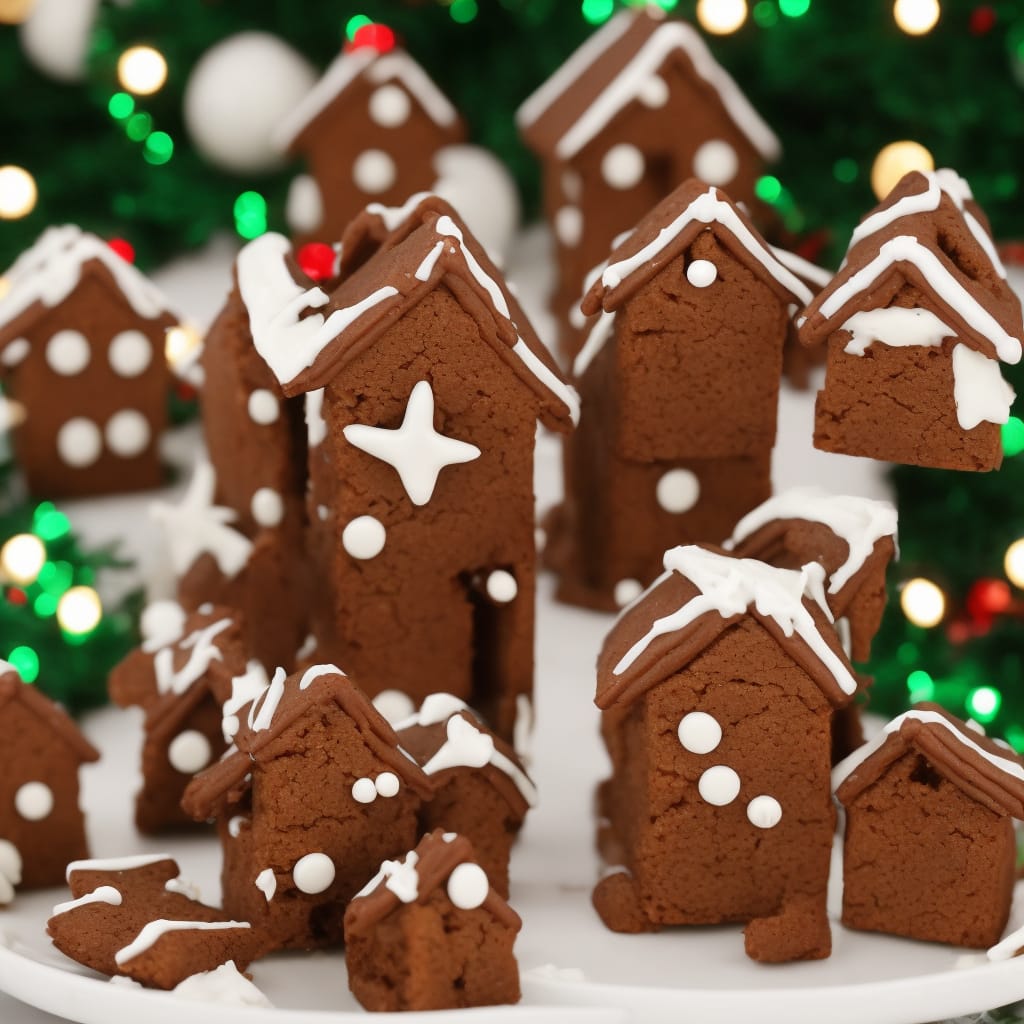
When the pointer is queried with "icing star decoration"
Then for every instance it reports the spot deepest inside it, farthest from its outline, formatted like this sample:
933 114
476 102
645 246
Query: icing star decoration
415 450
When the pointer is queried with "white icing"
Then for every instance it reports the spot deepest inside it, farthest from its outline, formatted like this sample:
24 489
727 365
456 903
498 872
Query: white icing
235 825
415 450
389 106
79 442
719 785
364 791
161 623
313 873
156 930
896 327
394 705
393 217
557 387
34 801
267 507
975 726
468 886
387 785
15 352
130 353
764 812
599 333
266 882
304 204
307 648
364 537
10 870
68 352
626 591
116 863
182 887
263 406
623 166
501 586
245 689
127 433
263 709
861 522
436 707
730 586
225 986
196 527
374 171
569 225
426 267
189 752
980 393
522 729
699 732
701 273
202 652
316 425
654 92
804 269
716 162
400 877
678 490
103 894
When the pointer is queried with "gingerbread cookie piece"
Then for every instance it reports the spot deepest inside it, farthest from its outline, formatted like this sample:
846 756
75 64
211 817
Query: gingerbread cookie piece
929 850
717 690
82 353
41 824
917 322
481 790
429 932
135 916
797 360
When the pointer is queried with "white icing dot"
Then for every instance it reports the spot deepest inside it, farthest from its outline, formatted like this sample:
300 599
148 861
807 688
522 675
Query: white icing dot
502 586
716 162
127 433
364 537
387 784
374 171
130 353
189 752
313 873
364 791
15 352
626 591
699 732
267 507
304 206
764 812
263 407
67 353
34 801
719 785
79 442
569 225
266 882
623 166
235 825
389 106
701 273
654 92
468 886
678 490
161 622
394 705
322 512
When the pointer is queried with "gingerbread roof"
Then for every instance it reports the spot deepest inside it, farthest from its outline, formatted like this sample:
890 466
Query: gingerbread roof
50 271
444 737
660 237
809 273
379 69
700 595
611 70
418 875
984 769
307 336
50 715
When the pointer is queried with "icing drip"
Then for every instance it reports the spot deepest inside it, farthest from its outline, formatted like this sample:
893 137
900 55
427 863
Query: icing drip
896 327
980 393
156 930
245 689
202 653
399 876
226 986
104 894
117 863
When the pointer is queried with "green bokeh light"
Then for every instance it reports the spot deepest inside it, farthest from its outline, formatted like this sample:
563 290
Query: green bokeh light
920 686
768 188
984 703
26 661
765 14
845 170
597 11
463 11
250 211
138 126
159 148
355 23
1013 436
48 524
794 8
121 105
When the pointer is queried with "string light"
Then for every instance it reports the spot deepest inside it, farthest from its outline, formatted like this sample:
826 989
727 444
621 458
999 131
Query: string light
895 160
26 661
923 602
721 16
463 11
142 70
596 12
18 192
984 702
916 17
13 12
920 686
794 8
79 611
251 212
1013 563
180 344
22 557
1012 436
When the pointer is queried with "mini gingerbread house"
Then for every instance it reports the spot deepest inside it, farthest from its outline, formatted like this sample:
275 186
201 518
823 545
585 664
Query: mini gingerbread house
930 849
717 689
639 108
314 795
429 932
917 321
430 384
679 383
82 352
369 130
180 677
481 790
41 824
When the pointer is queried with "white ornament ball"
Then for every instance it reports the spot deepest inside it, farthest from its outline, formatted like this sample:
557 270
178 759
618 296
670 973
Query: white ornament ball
189 752
677 491
55 36
699 732
237 96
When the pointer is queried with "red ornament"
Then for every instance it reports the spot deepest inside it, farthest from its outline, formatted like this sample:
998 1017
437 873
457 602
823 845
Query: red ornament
185 391
123 248
988 598
982 20
378 37
316 260
17 596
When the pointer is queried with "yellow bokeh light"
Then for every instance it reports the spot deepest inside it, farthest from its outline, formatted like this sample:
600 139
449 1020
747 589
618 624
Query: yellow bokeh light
141 70
916 17
721 16
22 557
180 344
895 160
1013 563
923 602
79 610
18 192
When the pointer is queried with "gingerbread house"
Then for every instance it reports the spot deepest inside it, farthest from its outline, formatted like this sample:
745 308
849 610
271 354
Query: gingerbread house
636 110
82 353
368 131
917 322
717 690
314 795
679 382
430 932
930 806
481 789
41 824
180 677
429 385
